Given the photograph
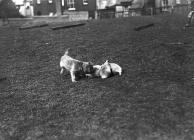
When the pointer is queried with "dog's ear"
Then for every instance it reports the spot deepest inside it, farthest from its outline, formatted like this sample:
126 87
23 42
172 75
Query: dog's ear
67 51
106 62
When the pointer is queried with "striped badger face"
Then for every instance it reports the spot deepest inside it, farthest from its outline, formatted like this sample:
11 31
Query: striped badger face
103 71
106 70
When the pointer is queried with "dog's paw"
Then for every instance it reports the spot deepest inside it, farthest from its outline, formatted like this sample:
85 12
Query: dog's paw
74 81
104 77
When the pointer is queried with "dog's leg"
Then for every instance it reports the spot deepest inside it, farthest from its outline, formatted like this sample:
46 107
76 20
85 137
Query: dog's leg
73 76
120 72
72 72
62 69
103 77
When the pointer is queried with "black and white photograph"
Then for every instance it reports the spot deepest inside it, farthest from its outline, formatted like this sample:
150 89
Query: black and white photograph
96 69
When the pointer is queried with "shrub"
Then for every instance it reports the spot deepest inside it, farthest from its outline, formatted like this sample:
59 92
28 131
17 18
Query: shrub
8 9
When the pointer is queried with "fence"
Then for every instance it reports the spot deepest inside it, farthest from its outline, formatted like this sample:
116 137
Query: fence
112 13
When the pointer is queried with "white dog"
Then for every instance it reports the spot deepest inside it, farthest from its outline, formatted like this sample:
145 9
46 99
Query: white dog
103 71
116 69
106 70
75 67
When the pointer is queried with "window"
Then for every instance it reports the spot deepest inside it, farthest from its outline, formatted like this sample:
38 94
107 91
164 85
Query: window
165 2
178 2
71 4
38 1
62 2
164 5
50 1
85 2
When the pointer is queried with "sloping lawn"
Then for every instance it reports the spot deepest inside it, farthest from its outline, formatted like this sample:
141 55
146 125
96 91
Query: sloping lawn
153 99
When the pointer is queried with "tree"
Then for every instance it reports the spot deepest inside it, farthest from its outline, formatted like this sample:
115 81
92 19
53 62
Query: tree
8 7
58 7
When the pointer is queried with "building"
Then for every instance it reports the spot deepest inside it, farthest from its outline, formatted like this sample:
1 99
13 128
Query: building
85 9
79 6
50 7
171 5
163 3
102 4
44 7
125 8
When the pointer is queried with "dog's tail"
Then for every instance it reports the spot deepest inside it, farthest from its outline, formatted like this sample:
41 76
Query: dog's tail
67 51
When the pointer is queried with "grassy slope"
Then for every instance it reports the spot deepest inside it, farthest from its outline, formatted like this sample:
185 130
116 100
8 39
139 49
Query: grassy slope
152 100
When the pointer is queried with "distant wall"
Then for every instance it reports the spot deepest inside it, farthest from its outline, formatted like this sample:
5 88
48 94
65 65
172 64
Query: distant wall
51 19
181 9
77 15
66 17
